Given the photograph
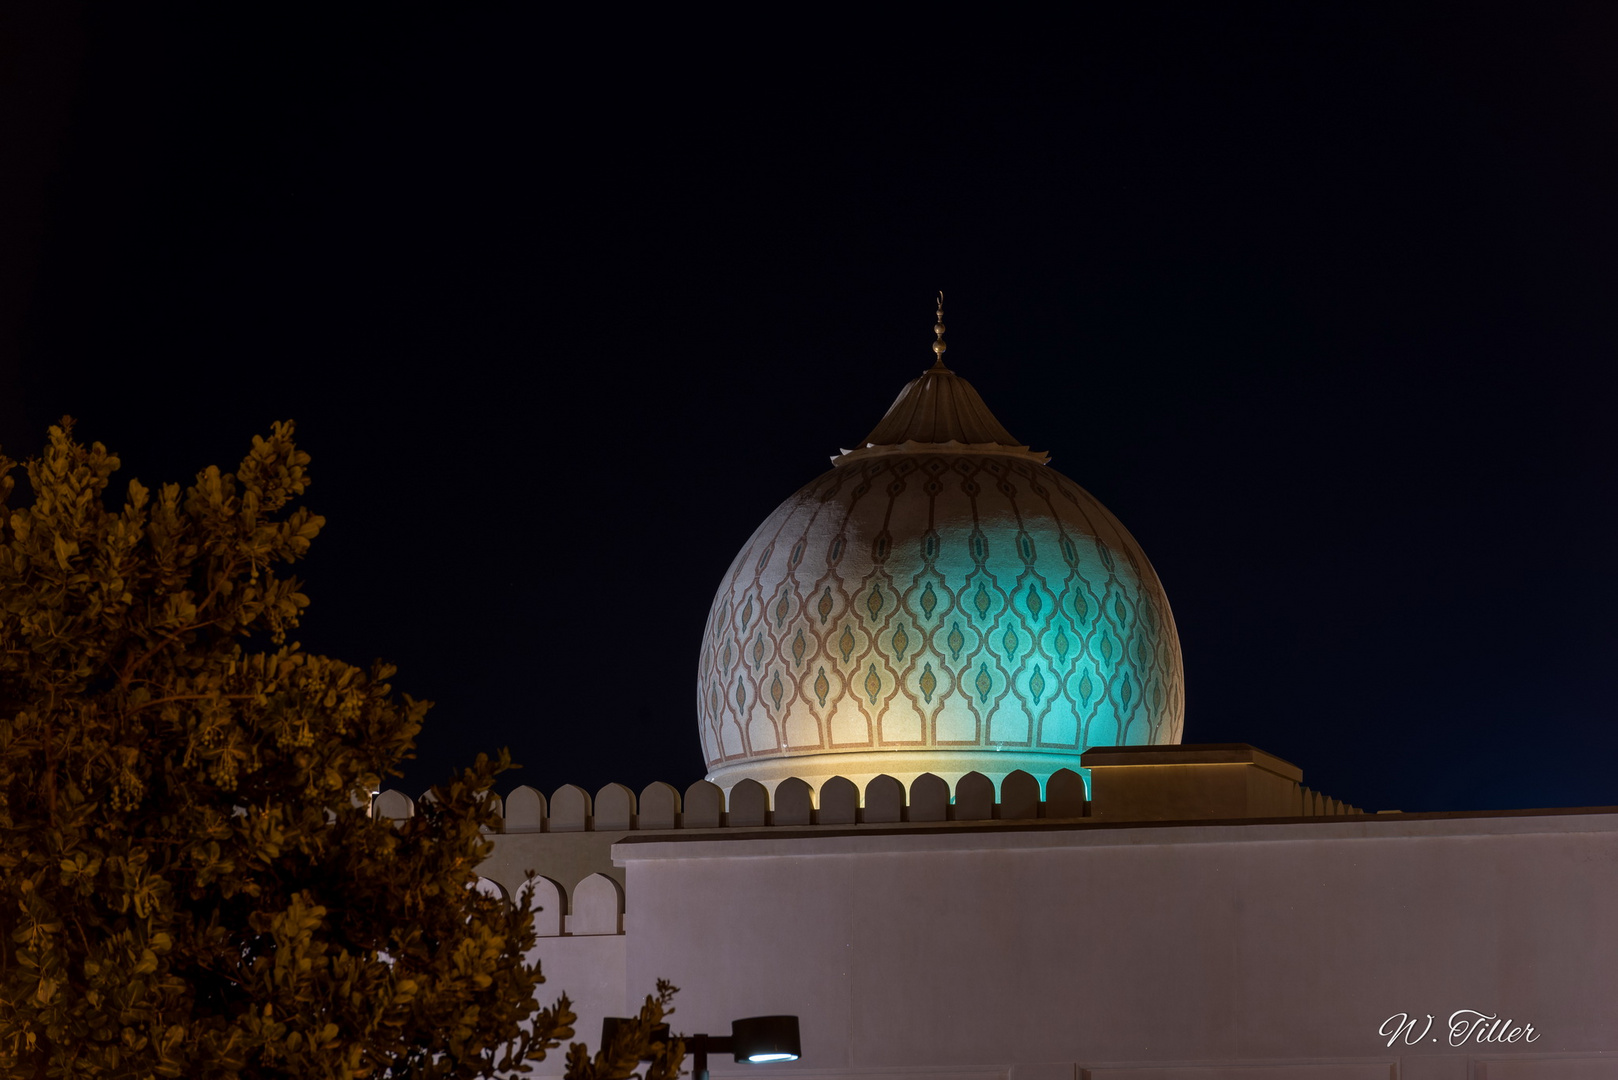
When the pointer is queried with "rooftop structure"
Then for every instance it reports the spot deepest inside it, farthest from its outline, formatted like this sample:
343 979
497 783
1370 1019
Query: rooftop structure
950 824
940 601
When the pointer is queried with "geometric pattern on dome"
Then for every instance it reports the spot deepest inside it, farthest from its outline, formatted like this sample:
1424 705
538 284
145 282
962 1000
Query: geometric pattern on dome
938 601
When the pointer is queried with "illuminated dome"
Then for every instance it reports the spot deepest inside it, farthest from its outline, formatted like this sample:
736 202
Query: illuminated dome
940 601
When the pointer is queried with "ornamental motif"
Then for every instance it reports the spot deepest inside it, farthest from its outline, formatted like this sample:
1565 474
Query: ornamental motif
996 605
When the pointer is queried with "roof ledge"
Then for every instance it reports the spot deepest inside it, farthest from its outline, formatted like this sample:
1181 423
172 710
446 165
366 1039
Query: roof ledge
1190 754
953 446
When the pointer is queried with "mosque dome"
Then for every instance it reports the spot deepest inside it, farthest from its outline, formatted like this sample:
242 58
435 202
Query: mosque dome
940 601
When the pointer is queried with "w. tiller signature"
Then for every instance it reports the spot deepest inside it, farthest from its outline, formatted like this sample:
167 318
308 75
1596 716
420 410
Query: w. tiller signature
1465 1025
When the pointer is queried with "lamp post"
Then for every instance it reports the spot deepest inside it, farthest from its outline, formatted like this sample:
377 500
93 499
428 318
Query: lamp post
754 1040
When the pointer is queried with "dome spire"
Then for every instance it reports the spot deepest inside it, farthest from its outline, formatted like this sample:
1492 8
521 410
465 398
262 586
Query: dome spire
938 328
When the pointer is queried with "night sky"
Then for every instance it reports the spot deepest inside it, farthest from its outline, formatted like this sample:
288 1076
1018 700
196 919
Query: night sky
1322 303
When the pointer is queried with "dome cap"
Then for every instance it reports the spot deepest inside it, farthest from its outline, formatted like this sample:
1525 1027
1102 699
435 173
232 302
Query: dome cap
938 413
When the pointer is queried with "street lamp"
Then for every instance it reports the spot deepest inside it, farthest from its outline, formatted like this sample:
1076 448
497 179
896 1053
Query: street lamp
754 1040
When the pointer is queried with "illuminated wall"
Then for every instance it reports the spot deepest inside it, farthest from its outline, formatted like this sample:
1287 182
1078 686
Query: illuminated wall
918 608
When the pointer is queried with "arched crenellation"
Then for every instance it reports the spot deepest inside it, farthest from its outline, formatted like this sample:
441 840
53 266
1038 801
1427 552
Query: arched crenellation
598 907
659 806
929 798
549 905
704 805
884 800
794 802
614 808
749 805
839 802
570 809
526 810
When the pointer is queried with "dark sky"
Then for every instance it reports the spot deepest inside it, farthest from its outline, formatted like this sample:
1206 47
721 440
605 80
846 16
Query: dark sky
1323 303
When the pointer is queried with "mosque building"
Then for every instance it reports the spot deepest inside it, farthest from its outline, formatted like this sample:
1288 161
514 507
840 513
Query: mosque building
950 824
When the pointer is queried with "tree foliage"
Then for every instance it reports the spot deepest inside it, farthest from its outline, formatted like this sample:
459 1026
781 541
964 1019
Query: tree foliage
191 883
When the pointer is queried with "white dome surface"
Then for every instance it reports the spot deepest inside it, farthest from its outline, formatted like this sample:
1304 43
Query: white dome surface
940 605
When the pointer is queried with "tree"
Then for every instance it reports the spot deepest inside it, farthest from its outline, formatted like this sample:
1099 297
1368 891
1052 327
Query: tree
191 883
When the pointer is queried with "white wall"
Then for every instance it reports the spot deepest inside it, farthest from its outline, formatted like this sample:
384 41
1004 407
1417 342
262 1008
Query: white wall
590 970
1036 952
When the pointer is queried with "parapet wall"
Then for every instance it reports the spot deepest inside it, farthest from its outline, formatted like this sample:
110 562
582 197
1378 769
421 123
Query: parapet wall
566 839
1131 784
704 805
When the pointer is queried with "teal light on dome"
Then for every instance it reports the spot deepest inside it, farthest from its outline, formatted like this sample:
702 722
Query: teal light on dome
958 602
939 595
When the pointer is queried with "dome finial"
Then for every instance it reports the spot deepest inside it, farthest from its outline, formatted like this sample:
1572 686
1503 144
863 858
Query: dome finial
938 328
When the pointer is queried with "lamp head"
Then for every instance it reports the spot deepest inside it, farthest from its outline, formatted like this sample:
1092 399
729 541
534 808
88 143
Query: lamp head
760 1039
